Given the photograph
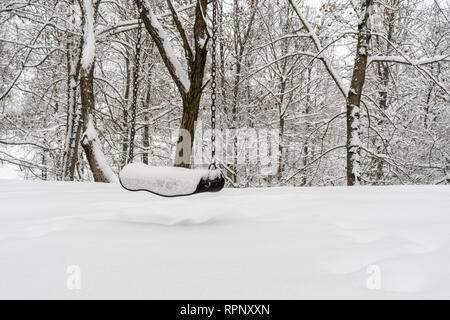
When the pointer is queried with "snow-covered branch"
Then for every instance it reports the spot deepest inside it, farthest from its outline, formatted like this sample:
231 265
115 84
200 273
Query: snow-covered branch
165 48
403 60
312 34
88 54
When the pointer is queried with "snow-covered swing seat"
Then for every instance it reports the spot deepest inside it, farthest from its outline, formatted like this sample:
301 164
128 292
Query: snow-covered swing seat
170 181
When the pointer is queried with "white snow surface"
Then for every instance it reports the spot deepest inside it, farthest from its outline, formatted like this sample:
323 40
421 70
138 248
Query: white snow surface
269 243
168 181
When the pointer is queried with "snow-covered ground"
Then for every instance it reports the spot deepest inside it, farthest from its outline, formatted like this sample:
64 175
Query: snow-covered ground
289 243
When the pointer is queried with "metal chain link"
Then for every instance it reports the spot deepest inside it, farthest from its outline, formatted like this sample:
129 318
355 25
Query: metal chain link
213 88
135 85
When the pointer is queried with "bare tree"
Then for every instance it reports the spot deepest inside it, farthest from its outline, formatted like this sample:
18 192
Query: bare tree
90 140
190 84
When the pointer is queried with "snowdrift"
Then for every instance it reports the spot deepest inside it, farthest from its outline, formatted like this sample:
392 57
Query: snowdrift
277 243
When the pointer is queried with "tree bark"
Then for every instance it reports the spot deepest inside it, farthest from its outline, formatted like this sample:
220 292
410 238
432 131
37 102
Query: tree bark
196 62
383 75
308 110
146 133
126 105
240 41
353 145
90 141
73 124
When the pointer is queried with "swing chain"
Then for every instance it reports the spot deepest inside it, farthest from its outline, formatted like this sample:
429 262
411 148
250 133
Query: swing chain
135 84
213 87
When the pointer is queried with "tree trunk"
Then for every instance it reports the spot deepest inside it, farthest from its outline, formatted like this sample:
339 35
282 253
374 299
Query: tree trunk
73 124
240 41
234 118
146 133
354 96
190 91
44 165
281 112
308 110
383 74
186 135
90 141
126 105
